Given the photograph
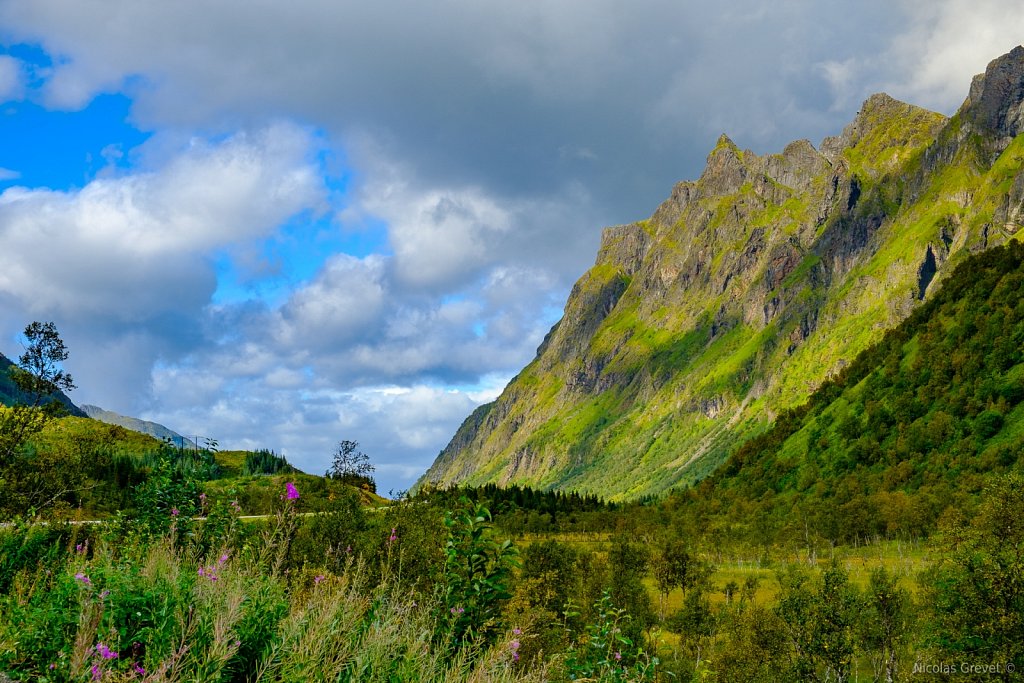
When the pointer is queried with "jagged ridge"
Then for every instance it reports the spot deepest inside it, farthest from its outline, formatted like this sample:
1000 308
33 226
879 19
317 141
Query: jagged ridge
745 290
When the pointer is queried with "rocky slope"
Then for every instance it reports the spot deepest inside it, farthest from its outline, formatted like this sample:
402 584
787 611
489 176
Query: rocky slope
745 290
154 429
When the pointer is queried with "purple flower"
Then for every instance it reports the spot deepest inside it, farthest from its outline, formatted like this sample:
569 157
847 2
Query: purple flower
104 594
105 651
317 579
223 559
394 536
97 673
174 512
83 578
618 656
139 670
293 493
517 631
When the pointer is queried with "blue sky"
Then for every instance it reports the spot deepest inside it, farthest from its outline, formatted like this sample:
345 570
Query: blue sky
284 226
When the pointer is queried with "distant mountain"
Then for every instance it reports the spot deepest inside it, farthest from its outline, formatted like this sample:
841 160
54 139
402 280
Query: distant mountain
10 394
747 289
144 426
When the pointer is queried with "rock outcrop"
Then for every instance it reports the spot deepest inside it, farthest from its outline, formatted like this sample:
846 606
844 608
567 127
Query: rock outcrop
746 289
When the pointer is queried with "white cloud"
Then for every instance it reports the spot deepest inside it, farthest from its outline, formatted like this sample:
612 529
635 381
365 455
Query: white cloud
125 263
933 59
12 79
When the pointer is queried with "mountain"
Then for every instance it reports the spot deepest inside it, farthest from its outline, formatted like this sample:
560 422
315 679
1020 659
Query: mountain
143 426
745 290
10 394
917 424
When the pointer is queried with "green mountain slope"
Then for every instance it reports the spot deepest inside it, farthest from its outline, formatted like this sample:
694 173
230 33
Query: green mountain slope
745 290
916 424
10 394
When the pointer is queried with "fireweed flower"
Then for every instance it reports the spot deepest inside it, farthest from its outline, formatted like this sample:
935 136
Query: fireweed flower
105 651
83 578
393 536
514 646
293 493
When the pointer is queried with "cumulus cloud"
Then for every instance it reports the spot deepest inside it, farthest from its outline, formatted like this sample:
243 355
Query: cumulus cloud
951 41
128 258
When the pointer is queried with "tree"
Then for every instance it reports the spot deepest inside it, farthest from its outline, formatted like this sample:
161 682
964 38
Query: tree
39 376
975 592
352 466
30 480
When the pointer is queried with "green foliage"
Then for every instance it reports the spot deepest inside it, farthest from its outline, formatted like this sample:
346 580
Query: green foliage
477 574
351 466
913 424
265 462
975 593
604 651
819 623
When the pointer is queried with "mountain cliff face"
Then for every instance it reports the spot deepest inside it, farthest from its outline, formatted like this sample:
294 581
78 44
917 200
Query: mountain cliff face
745 290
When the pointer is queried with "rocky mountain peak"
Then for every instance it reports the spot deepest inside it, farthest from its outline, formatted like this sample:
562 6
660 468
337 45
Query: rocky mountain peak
996 99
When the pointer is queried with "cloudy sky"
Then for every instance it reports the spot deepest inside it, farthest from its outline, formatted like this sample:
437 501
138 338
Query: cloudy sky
285 224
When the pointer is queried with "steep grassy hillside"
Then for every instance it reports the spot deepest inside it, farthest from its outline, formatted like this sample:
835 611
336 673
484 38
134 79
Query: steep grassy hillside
915 426
745 290
10 394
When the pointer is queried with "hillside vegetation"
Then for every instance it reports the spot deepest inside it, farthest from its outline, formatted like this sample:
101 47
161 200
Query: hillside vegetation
745 291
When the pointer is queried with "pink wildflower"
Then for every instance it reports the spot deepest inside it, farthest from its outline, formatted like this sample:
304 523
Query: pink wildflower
139 670
317 579
97 673
105 651
174 512
517 631
394 537
293 493
618 656
83 578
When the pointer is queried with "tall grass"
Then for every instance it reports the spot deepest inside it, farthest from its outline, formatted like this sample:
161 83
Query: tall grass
163 612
